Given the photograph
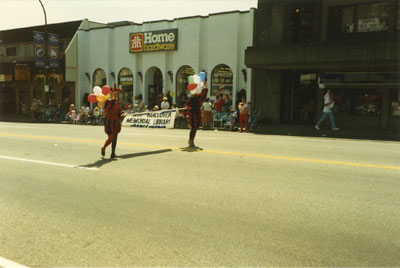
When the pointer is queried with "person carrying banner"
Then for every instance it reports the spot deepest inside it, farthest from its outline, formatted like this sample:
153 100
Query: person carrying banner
193 105
112 123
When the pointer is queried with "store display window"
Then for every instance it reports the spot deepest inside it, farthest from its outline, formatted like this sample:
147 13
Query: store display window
358 101
125 82
181 84
395 102
221 80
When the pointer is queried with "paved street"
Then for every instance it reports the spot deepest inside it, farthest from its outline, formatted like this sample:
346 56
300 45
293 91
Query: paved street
244 200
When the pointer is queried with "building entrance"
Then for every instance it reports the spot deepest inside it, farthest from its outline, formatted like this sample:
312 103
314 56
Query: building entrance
155 90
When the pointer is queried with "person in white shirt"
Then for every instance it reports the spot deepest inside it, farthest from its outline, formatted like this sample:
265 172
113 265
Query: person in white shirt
165 104
327 111
207 114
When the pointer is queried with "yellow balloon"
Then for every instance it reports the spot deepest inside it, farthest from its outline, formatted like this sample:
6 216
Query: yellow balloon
101 104
101 98
107 96
171 93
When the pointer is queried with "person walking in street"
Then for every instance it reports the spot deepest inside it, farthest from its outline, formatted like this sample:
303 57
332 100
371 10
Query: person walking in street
193 104
112 123
327 111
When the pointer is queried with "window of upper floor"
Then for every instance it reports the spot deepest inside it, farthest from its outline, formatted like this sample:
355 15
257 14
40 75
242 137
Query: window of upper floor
11 51
358 19
398 16
302 24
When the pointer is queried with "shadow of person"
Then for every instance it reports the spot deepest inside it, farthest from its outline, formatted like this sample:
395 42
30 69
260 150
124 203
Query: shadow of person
191 149
126 156
103 161
98 163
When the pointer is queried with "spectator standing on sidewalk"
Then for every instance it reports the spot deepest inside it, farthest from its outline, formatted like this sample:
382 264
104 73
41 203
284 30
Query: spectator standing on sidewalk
165 104
34 108
327 111
244 109
219 104
207 114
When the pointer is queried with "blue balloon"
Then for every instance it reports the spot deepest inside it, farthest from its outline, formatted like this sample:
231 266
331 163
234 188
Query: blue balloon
202 76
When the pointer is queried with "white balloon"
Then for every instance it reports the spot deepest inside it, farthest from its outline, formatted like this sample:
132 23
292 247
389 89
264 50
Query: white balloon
321 86
193 92
202 84
97 90
196 79
199 88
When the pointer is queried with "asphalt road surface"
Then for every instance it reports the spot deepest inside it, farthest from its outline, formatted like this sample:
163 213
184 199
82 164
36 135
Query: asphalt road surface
243 200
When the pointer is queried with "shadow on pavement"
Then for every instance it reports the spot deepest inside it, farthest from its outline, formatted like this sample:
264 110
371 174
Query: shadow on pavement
191 149
126 156
104 161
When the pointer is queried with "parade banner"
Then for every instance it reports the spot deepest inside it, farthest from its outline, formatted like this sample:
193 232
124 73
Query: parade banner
158 119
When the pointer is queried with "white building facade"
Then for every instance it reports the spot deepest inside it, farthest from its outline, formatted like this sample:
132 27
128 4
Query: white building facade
114 52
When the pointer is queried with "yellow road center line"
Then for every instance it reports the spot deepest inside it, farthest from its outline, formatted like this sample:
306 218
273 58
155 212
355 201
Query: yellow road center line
261 156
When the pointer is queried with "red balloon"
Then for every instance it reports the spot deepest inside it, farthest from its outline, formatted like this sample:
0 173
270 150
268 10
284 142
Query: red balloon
190 87
105 90
92 98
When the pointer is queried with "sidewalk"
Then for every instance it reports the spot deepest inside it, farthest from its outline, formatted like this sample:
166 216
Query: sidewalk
310 131
280 129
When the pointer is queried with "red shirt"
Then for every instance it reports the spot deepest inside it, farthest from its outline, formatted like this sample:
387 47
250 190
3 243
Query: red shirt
219 104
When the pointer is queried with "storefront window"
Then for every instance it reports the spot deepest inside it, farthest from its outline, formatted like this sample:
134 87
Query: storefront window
125 79
181 84
222 80
359 18
7 99
398 16
395 102
358 101
302 24
99 78
66 97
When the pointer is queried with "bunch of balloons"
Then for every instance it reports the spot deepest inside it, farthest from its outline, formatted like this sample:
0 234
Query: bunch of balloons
100 95
196 83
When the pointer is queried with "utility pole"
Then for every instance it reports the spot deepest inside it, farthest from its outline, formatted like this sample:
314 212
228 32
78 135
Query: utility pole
46 54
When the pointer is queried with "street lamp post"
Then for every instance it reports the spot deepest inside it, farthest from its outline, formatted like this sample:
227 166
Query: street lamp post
46 86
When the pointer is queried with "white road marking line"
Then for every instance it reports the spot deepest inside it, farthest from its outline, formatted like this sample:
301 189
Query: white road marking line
45 162
13 126
4 263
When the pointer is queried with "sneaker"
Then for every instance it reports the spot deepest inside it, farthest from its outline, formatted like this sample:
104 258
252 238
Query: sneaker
191 143
335 128
317 127
103 152
113 155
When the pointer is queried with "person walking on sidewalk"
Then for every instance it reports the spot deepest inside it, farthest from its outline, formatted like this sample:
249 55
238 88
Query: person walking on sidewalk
327 111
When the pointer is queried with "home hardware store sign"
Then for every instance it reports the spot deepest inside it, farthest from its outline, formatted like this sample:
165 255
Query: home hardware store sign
153 41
